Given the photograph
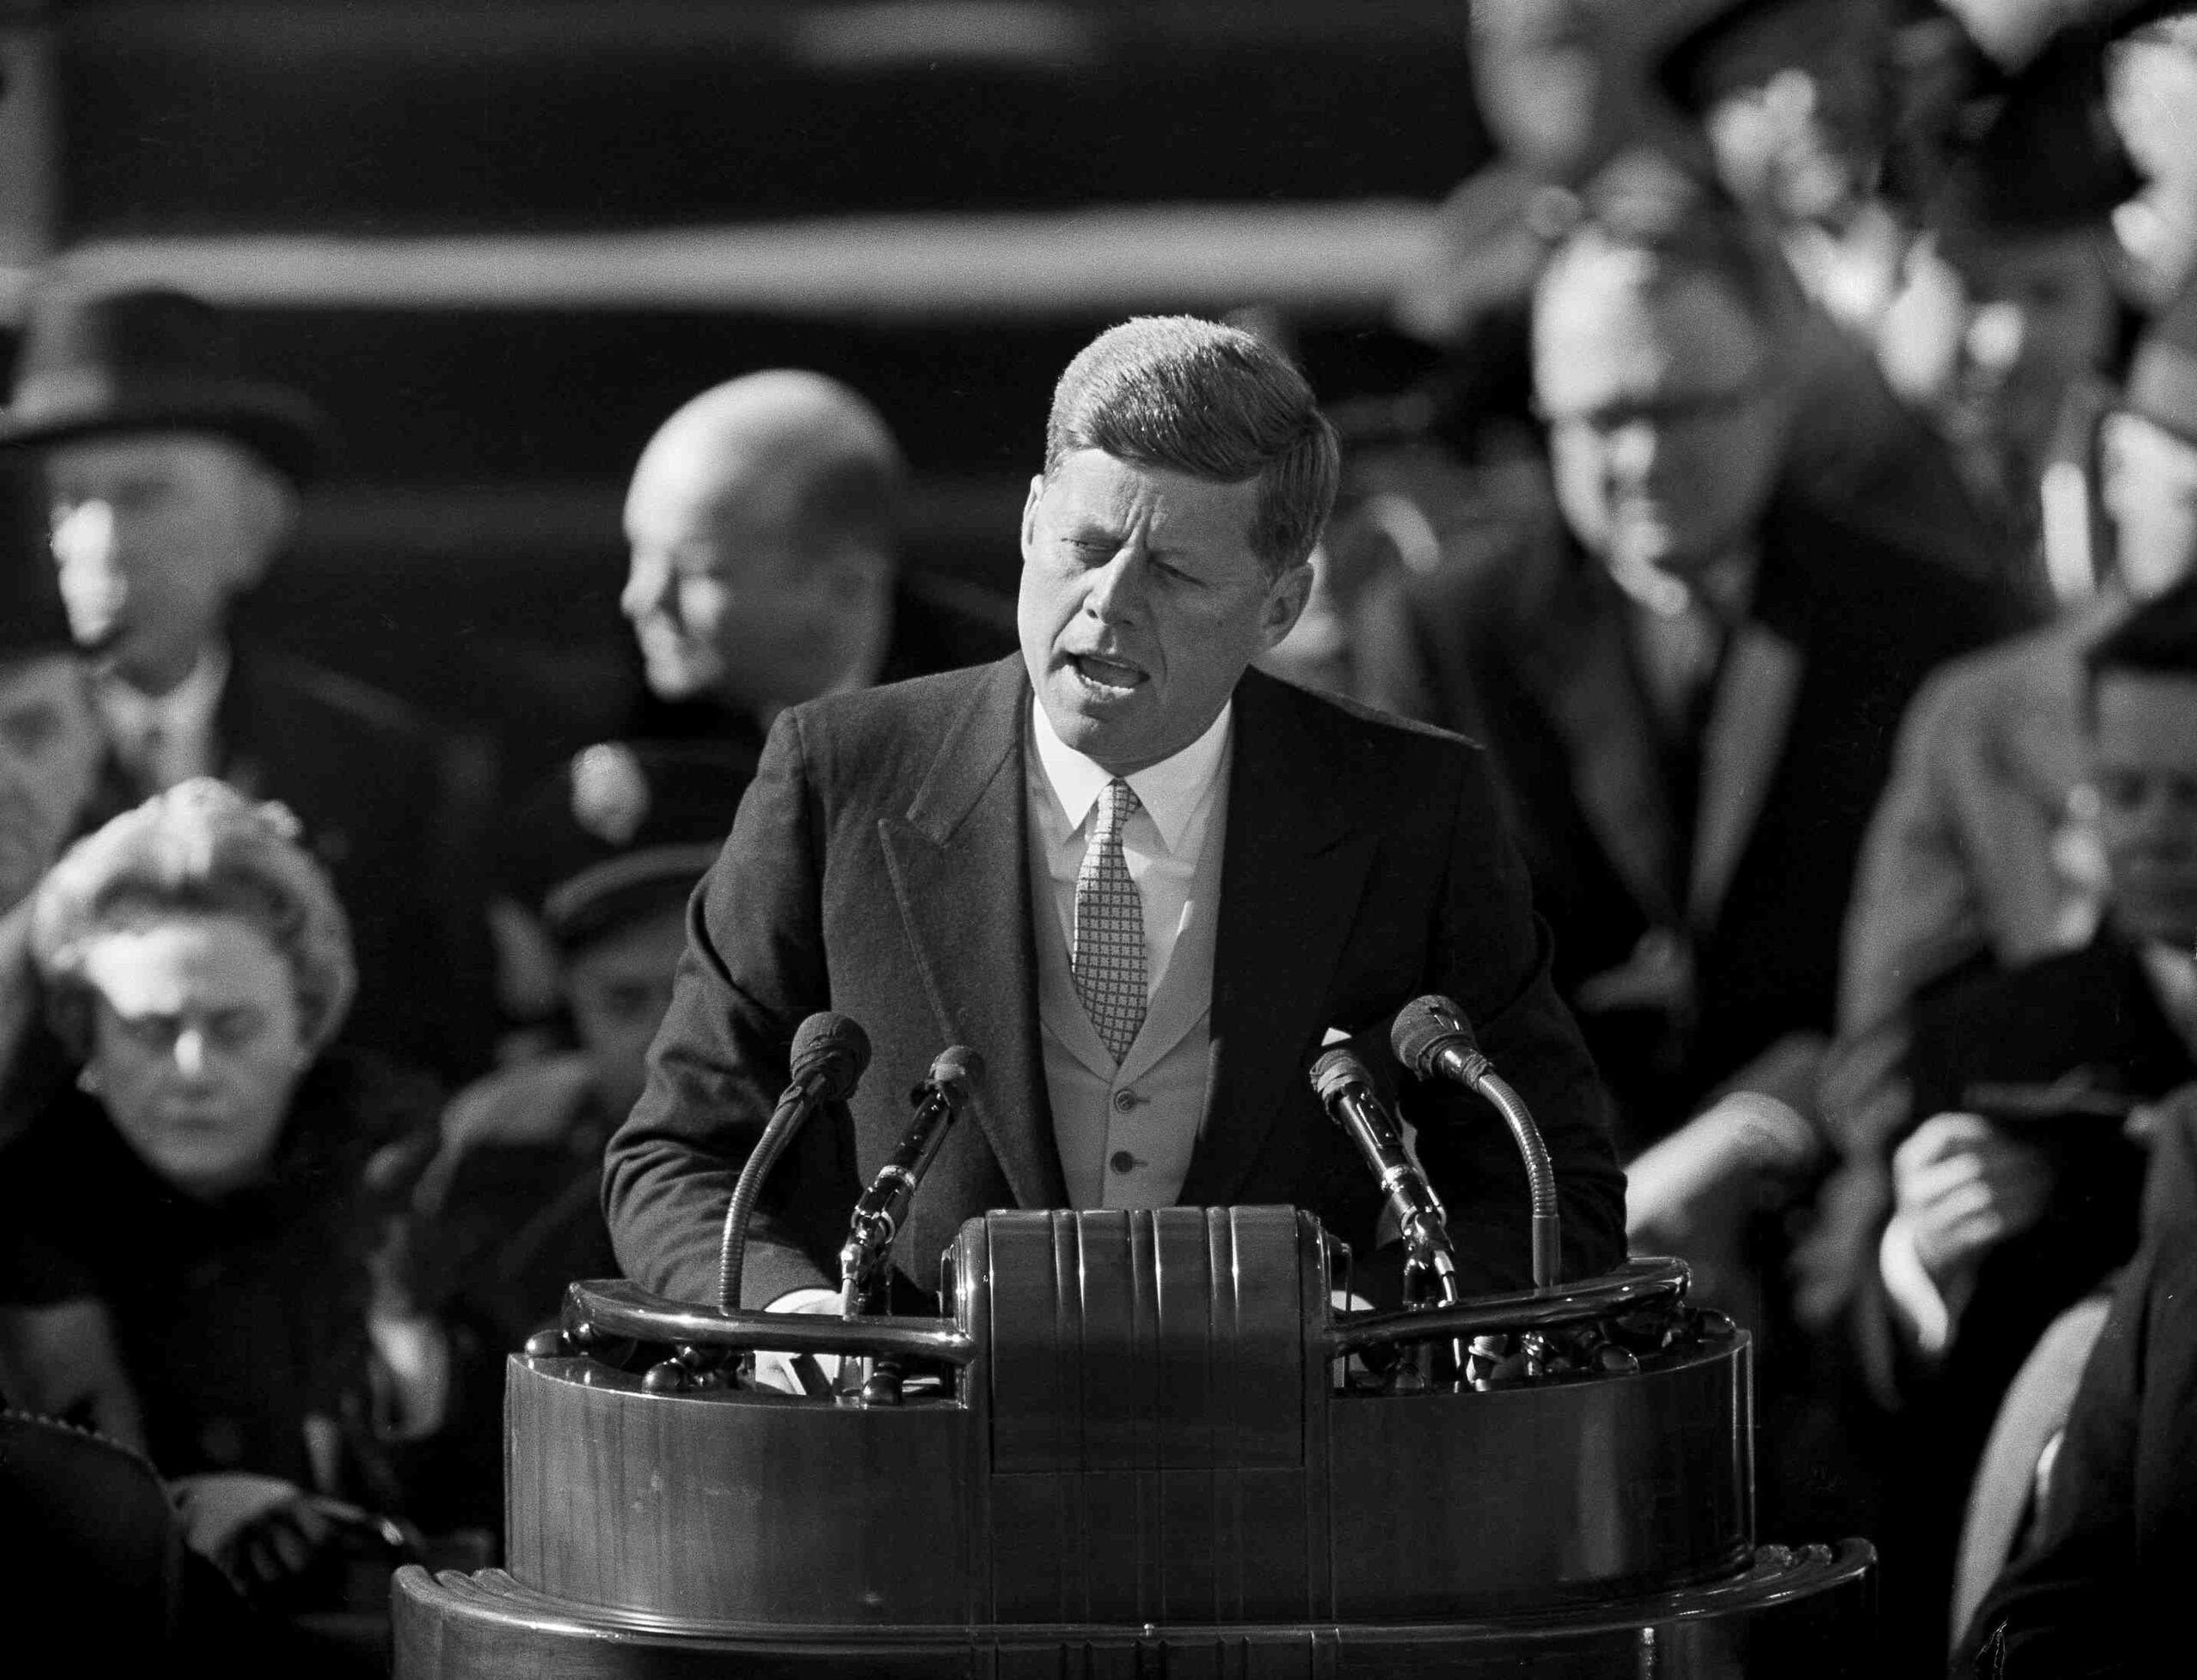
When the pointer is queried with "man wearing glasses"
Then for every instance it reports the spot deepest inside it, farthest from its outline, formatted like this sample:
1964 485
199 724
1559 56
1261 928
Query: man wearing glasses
1692 686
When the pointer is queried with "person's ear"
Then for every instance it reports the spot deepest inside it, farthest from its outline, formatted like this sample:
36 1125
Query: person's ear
1285 604
1030 516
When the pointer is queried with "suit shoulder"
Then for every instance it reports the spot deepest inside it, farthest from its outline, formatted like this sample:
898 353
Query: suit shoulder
1981 683
1913 592
894 707
1352 732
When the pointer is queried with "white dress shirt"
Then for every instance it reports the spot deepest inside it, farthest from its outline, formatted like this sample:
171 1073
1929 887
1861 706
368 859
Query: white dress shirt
164 738
1125 1132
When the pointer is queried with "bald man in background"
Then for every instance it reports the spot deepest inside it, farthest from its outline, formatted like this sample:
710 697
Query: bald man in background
763 519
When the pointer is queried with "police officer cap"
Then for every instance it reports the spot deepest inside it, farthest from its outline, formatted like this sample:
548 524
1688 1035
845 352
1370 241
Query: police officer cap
625 828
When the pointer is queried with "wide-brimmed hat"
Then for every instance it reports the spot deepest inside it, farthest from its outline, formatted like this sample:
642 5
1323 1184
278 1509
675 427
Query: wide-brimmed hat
150 360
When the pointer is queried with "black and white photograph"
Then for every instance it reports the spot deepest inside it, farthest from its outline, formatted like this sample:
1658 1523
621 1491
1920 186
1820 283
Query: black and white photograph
1054 839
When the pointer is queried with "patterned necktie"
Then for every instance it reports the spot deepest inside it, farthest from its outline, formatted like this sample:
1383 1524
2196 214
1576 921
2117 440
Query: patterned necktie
1108 964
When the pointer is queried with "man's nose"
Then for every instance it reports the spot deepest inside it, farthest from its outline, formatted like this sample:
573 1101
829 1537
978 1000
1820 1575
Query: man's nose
647 587
191 1052
1116 589
88 536
1632 449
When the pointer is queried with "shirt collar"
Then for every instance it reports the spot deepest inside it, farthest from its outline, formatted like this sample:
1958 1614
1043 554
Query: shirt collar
1169 791
185 712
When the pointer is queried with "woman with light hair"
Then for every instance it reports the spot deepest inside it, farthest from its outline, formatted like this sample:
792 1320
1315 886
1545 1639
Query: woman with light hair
206 1181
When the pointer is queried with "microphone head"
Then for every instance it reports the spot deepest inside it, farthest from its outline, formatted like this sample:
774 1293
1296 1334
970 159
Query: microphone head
1425 1027
956 1067
831 1046
1336 1070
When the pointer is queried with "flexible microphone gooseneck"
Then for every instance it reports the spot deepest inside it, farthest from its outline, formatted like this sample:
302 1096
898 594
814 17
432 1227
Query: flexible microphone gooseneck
830 1052
877 1216
1431 1037
1346 1089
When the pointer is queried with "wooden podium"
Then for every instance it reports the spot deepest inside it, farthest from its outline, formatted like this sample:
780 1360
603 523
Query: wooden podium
1139 1445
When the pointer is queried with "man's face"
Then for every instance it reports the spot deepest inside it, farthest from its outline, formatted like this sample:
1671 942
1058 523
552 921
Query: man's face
155 533
50 747
1796 113
618 987
2149 486
1142 604
2037 312
1665 427
728 595
2144 768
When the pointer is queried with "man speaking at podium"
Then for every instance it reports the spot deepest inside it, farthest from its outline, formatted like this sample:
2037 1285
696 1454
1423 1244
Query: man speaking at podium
1143 881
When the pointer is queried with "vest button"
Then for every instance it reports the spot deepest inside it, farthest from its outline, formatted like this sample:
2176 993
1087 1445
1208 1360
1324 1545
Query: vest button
1122 1161
1125 1100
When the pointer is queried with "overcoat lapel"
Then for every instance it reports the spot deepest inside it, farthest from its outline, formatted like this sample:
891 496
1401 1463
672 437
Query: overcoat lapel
1573 657
1293 869
960 878
237 750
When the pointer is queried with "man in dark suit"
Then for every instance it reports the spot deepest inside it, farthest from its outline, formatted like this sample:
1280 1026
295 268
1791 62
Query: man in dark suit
172 483
1989 1114
1143 882
1690 687
763 521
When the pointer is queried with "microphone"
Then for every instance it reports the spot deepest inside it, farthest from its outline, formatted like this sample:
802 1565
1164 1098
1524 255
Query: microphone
1432 1039
1346 1091
877 1216
830 1052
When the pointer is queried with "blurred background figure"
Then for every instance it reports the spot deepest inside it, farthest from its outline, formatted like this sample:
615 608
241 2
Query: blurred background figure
50 749
1988 1181
763 525
1985 843
763 522
201 1192
2009 325
1797 101
1690 688
170 481
2152 96
508 1210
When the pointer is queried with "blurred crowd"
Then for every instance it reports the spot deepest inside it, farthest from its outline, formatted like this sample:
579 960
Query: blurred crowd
1803 515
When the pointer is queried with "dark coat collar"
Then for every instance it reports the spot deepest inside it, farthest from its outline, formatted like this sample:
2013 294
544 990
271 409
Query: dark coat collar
1575 652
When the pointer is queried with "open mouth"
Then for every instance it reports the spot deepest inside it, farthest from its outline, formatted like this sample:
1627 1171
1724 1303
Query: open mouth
1104 675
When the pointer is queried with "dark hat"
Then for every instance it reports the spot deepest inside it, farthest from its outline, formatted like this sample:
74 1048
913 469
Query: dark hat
151 359
2044 158
622 828
1693 67
2163 374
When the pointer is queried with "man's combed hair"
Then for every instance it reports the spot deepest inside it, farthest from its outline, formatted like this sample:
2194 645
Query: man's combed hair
201 849
1192 396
